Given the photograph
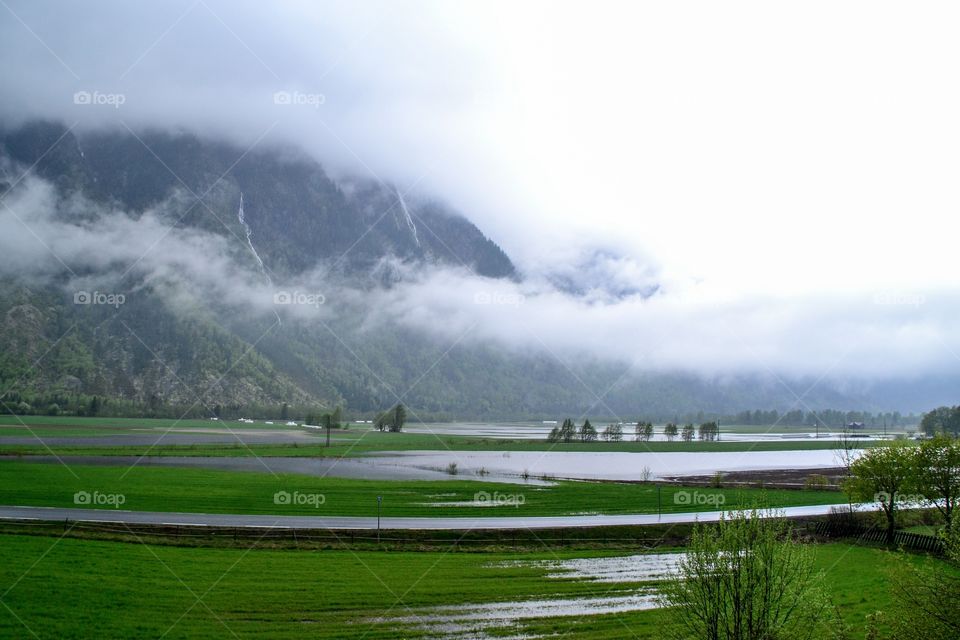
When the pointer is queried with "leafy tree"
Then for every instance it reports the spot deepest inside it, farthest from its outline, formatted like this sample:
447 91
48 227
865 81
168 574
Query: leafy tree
587 432
644 431
687 433
399 417
938 473
554 435
670 431
392 420
941 420
709 431
567 431
881 475
744 579
613 433
926 593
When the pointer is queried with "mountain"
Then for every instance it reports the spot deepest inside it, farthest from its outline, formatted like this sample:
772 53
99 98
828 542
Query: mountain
135 278
297 213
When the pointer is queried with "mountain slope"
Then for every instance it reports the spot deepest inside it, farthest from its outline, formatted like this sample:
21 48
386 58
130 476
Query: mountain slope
153 217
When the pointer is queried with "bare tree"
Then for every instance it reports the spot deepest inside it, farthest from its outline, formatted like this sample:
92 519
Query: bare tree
745 579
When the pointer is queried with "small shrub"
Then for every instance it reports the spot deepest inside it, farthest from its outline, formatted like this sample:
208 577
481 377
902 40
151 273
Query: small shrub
816 481
452 468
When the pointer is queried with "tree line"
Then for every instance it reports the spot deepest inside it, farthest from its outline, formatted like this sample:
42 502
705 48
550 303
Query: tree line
643 431
826 417
941 420
900 474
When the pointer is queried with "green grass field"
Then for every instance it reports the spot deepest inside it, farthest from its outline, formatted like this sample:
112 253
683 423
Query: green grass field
213 491
65 588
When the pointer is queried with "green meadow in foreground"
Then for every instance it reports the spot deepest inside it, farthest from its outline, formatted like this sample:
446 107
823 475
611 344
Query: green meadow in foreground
212 491
60 588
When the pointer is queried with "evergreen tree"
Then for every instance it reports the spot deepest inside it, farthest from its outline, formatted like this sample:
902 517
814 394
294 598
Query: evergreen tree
399 417
587 432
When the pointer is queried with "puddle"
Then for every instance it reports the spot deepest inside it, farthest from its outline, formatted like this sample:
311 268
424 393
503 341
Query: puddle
460 503
644 567
494 619
478 620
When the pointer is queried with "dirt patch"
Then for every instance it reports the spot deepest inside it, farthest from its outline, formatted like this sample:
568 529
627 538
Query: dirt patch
771 478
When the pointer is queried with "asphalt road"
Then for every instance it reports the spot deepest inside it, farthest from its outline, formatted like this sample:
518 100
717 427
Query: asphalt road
354 522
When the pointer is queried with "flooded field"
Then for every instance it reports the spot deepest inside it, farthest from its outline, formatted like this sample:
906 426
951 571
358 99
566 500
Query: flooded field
638 575
603 465
529 467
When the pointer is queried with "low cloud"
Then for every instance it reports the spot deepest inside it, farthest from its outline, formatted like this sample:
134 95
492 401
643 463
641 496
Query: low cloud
886 334
91 248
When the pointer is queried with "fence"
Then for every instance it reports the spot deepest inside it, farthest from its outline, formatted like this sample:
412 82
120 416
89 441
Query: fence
916 541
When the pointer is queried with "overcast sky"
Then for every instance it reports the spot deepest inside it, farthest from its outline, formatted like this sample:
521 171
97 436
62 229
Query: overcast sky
800 158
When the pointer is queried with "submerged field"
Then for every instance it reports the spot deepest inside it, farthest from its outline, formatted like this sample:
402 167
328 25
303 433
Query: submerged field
59 588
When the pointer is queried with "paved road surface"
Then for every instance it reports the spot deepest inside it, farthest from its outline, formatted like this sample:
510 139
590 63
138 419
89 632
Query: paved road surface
354 522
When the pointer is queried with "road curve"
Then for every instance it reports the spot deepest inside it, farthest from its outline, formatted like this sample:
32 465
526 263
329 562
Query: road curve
355 522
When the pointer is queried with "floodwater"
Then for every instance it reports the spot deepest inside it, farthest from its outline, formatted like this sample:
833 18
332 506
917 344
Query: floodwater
644 567
608 465
530 467
493 619
367 468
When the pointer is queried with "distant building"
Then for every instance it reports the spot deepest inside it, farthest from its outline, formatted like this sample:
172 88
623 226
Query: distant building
855 425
